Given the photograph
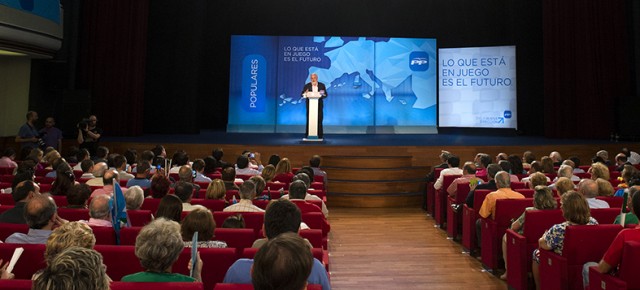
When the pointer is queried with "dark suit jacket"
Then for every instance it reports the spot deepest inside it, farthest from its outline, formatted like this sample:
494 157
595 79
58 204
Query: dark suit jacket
321 87
14 215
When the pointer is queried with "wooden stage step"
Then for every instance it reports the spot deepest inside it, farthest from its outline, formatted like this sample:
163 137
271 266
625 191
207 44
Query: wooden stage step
373 181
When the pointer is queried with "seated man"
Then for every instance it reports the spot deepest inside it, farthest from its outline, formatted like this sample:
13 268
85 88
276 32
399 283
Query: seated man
87 168
198 166
99 170
453 169
99 212
307 181
78 195
142 175
612 257
282 263
589 189
488 208
281 217
242 166
184 190
186 175
40 214
469 171
24 191
120 163
297 193
110 177
247 194
229 178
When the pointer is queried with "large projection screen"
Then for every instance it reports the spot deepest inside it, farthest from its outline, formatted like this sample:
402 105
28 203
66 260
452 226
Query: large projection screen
477 87
374 84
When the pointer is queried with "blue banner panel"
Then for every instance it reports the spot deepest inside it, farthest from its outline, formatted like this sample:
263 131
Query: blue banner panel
49 9
371 82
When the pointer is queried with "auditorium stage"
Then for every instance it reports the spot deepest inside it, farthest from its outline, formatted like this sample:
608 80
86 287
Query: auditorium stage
368 170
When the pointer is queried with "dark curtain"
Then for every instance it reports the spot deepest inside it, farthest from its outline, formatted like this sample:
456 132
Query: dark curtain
113 47
586 66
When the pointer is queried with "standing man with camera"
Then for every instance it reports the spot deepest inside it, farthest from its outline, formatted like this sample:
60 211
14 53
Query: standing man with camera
28 135
89 134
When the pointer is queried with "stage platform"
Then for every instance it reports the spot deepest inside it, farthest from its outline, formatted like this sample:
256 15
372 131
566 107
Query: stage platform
371 178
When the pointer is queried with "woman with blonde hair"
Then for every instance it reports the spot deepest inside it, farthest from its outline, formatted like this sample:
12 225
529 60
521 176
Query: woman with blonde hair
576 211
563 185
542 200
604 187
283 171
74 268
268 173
599 170
216 190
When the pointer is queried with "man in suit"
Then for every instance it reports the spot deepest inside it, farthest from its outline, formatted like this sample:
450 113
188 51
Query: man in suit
315 86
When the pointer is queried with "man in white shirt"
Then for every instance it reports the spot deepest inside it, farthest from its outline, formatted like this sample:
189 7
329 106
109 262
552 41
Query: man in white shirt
589 189
454 162
632 157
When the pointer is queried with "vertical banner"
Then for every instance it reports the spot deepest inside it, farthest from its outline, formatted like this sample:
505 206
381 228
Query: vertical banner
478 87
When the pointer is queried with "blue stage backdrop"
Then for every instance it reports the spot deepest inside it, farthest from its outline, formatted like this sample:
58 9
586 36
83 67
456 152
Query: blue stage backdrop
374 85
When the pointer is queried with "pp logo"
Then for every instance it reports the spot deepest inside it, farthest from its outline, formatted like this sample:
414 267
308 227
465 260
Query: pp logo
507 114
419 61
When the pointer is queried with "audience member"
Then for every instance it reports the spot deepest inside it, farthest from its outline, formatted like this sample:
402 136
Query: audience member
184 190
612 257
229 177
82 155
100 212
210 166
604 187
101 155
40 214
65 179
87 169
516 164
468 177
71 234
566 171
283 172
160 185
547 165
268 173
630 218
589 189
604 156
120 163
216 190
542 200
198 167
632 157
78 195
576 212
621 160
563 185
180 158
74 268
306 180
629 175
599 170
501 156
527 158
282 263
314 163
8 157
297 193
170 208
504 191
506 167
453 169
158 247
108 180
482 161
134 197
260 185
556 159
23 192
218 153
247 194
273 160
235 221
142 175
159 151
491 172
444 156
282 216
576 164
200 220
99 169
243 167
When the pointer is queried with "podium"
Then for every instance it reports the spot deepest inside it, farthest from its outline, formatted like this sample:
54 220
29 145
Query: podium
312 98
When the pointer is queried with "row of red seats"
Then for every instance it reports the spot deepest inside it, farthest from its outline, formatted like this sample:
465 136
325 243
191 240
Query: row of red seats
121 261
115 285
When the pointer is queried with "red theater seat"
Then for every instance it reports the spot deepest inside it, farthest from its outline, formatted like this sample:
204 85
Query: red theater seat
4 170
527 192
494 229
581 244
60 200
211 204
605 215
4 208
520 247
627 276
613 201
236 238
156 285
223 286
8 229
440 212
31 261
104 235
74 214
128 235
139 218
151 204
431 193
252 220
469 217
7 199
454 224
16 284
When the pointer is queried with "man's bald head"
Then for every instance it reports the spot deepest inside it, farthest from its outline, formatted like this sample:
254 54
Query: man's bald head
503 180
588 188
99 207
39 212
99 169
185 173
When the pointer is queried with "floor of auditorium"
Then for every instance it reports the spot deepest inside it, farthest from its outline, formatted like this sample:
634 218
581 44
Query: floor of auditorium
398 248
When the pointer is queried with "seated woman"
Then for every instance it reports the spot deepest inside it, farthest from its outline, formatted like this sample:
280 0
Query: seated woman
216 190
576 211
629 175
201 221
65 179
74 268
563 185
283 171
630 218
542 199
604 187
158 247
71 234
170 207
268 173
